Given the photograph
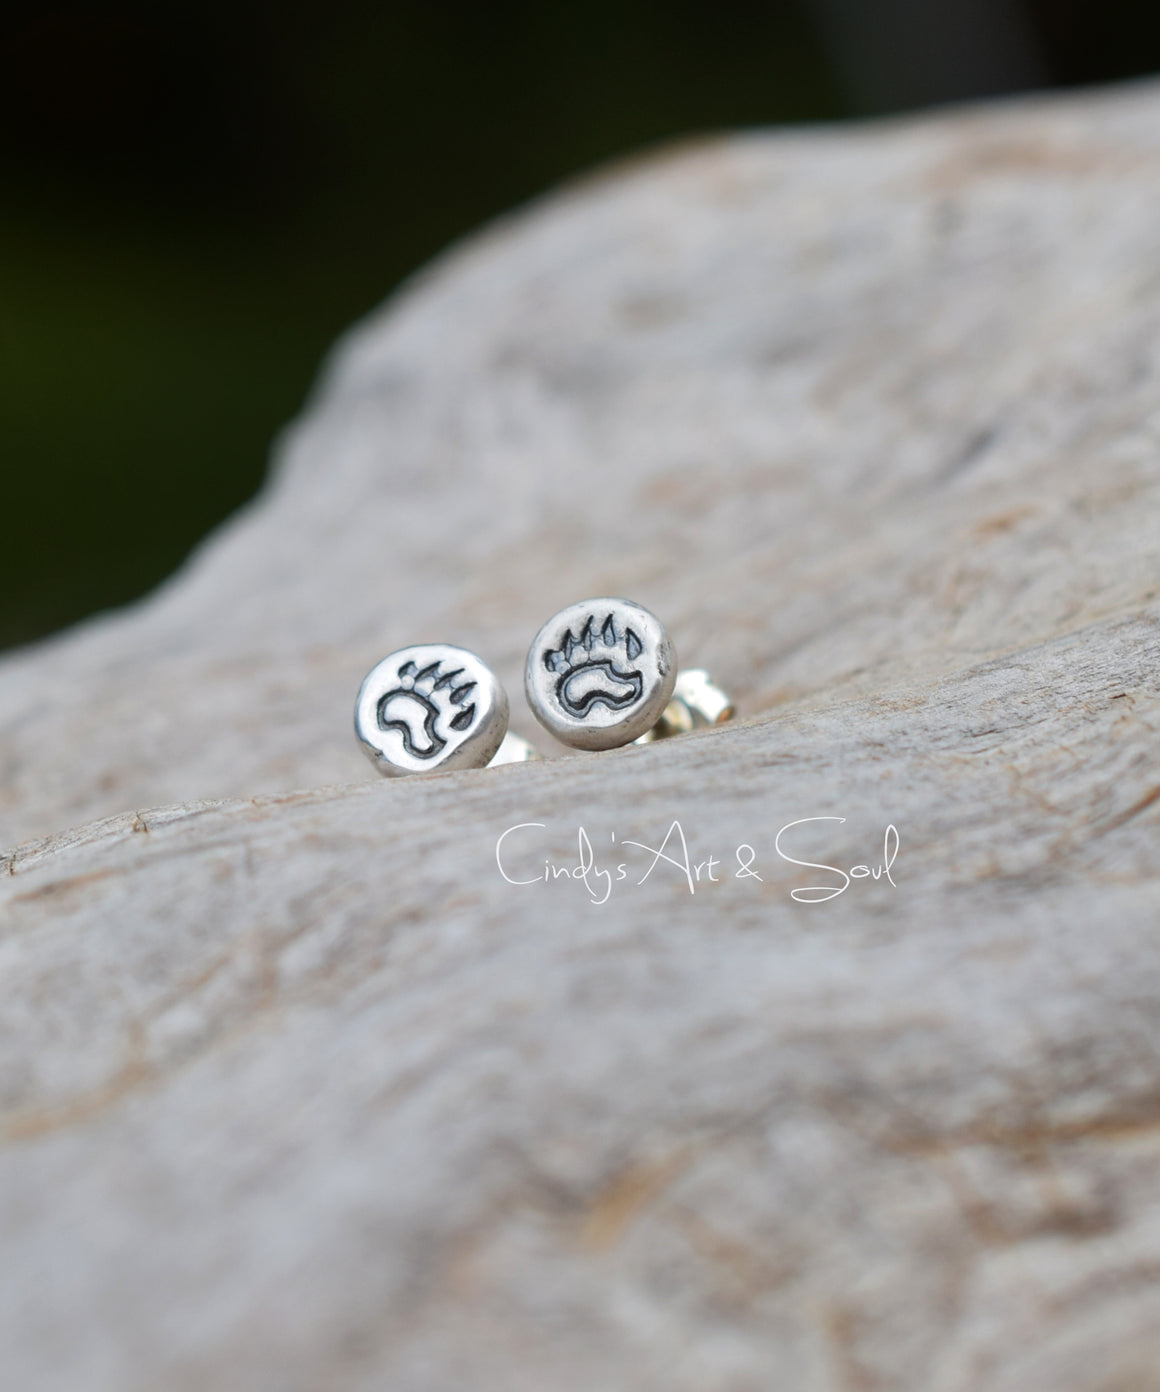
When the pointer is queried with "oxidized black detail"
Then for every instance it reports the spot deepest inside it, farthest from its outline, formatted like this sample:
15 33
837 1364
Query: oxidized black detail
596 667
415 707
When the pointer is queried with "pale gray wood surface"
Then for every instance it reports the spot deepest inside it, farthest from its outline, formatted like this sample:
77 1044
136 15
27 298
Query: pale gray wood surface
297 1092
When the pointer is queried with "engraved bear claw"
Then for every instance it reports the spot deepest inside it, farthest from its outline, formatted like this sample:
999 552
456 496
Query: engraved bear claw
595 667
422 701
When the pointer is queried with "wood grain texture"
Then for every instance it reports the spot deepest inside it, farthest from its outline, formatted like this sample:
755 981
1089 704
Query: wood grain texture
296 1091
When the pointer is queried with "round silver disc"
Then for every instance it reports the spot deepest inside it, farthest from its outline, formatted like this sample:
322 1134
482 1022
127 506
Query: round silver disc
432 706
600 673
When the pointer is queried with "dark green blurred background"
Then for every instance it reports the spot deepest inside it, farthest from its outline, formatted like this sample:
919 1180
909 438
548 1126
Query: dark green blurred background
198 199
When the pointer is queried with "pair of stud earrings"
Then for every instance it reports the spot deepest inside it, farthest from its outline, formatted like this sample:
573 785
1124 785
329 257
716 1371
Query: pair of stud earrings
599 674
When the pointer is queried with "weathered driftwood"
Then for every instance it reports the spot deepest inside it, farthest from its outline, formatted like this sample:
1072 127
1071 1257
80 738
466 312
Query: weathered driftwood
296 1091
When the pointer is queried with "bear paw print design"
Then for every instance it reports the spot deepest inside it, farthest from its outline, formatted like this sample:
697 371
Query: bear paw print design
600 673
430 706
421 701
596 667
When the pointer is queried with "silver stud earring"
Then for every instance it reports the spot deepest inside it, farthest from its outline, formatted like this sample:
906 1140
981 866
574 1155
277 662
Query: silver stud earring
603 673
434 706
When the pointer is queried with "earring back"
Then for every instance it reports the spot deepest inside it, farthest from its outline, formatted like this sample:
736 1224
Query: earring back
697 702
